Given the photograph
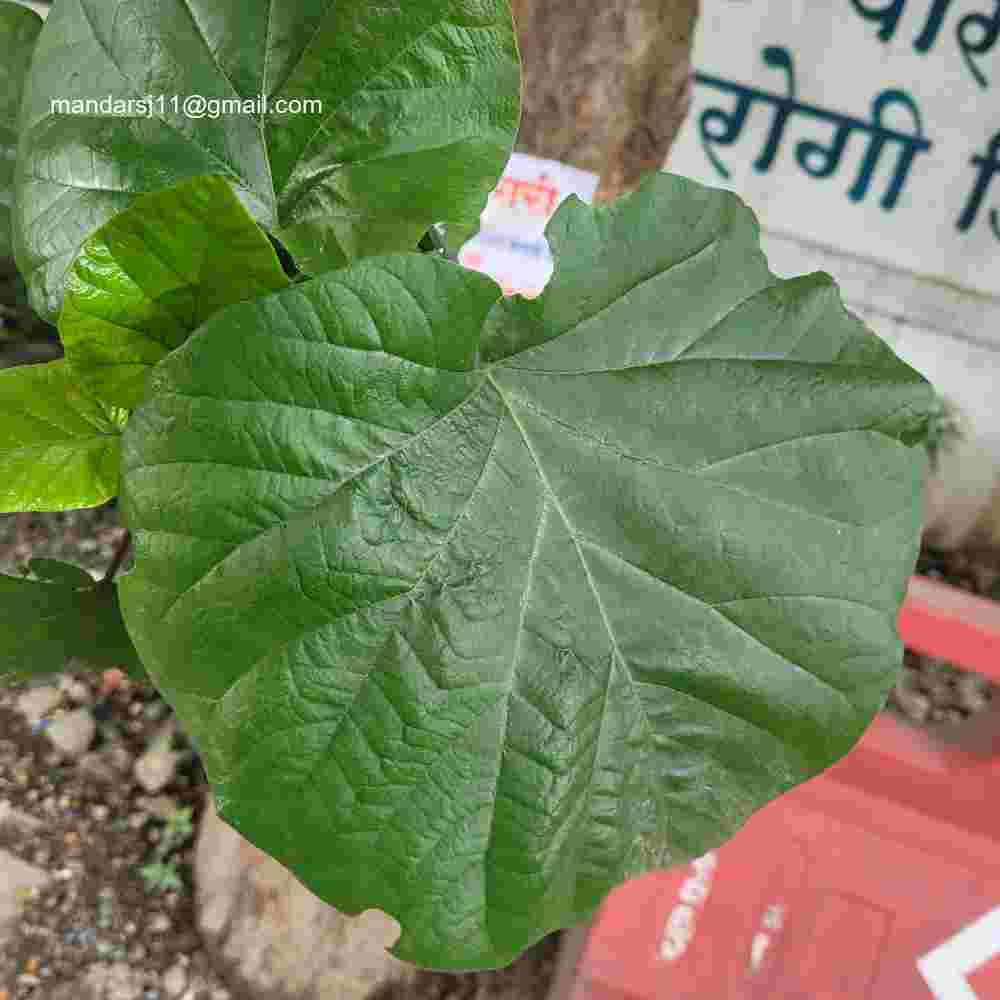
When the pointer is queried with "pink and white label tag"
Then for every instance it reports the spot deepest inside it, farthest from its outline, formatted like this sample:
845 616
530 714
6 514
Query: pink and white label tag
510 246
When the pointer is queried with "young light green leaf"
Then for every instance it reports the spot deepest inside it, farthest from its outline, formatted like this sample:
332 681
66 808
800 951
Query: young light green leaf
497 605
59 447
44 623
19 28
418 108
151 275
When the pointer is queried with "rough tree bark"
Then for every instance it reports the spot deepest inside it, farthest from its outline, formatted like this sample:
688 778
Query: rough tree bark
606 88
607 83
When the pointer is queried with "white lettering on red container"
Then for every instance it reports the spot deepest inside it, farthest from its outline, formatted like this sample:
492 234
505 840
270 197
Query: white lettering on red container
693 893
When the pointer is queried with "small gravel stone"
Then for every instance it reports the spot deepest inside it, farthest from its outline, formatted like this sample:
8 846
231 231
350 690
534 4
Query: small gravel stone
76 691
160 924
155 769
114 982
22 821
72 733
175 980
35 703
155 710
973 692
938 691
160 806
915 704
97 768
120 758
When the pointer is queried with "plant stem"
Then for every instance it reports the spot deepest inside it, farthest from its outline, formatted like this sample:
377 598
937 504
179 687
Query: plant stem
120 553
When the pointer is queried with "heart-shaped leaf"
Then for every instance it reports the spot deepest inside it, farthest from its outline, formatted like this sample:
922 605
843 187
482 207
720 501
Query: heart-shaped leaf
43 624
152 274
477 607
420 108
19 28
59 447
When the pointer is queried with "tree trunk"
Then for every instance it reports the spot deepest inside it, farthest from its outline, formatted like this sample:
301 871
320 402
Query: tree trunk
607 83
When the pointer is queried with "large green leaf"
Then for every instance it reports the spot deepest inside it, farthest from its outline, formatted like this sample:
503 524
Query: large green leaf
19 28
152 274
59 447
420 112
44 623
477 606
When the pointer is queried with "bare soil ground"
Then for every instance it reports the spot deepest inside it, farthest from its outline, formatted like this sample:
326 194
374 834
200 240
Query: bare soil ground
931 691
116 921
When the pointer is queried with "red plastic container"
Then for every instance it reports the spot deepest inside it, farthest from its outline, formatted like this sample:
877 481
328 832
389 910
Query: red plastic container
878 879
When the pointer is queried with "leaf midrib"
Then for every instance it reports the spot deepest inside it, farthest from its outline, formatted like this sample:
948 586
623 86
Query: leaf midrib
575 535
617 659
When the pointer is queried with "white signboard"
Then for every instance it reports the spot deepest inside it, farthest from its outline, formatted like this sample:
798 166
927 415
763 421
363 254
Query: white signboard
510 245
869 125
865 134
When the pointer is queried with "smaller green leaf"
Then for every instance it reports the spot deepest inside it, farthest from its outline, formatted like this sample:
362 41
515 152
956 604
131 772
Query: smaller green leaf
55 571
154 273
43 624
19 28
59 447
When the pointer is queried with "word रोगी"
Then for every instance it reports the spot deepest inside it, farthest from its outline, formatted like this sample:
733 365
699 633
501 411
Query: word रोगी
722 128
719 127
